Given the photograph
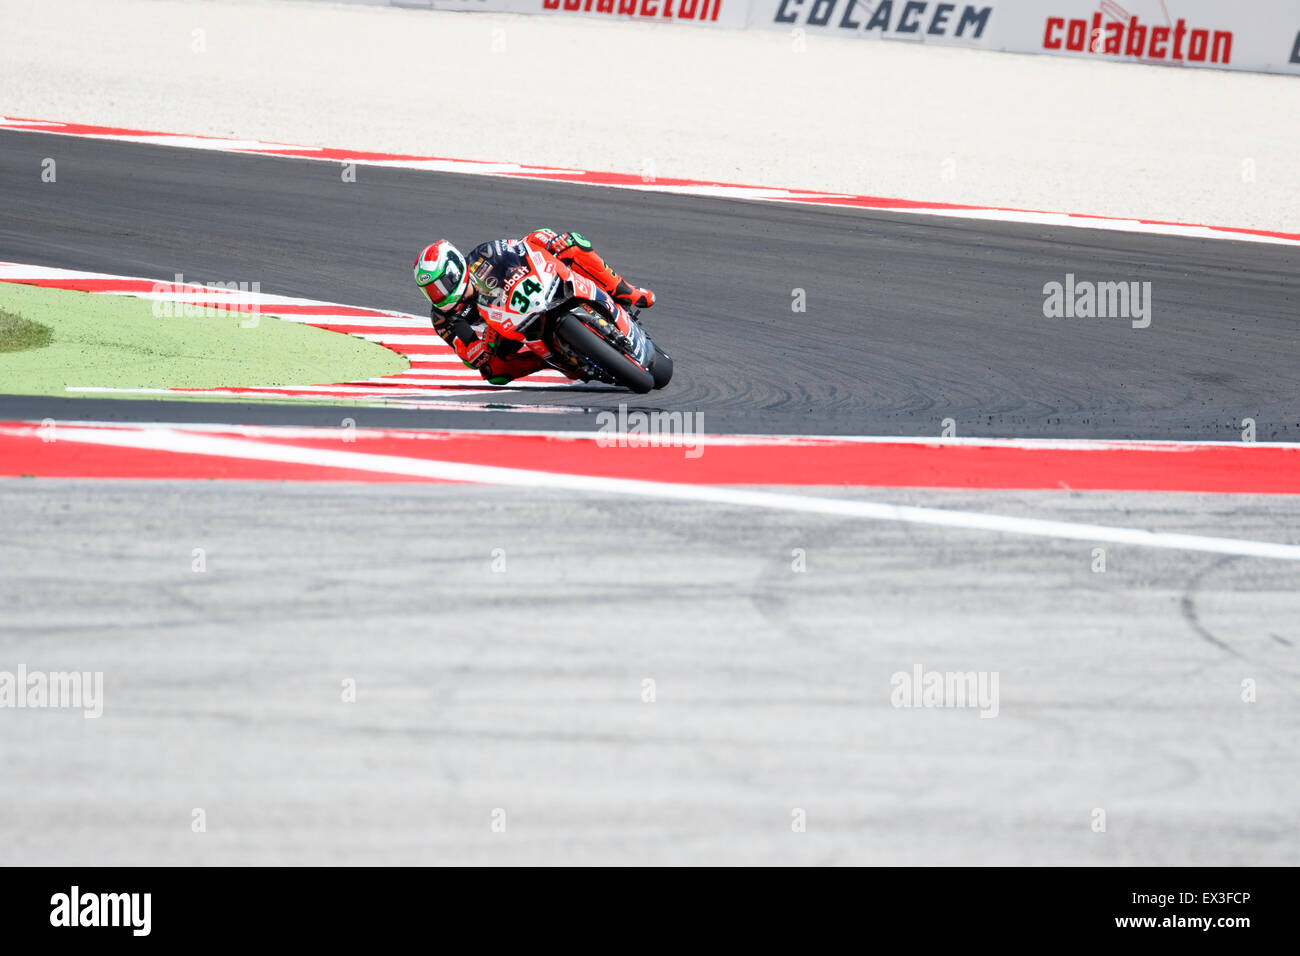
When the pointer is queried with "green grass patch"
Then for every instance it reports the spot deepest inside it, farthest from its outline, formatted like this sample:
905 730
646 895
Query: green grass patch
117 341
18 334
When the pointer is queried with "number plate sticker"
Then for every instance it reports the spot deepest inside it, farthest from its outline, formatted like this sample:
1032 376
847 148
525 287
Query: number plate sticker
526 295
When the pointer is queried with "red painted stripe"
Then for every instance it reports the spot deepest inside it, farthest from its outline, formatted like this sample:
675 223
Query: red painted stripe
1208 468
376 330
332 391
102 285
420 348
30 457
85 129
1195 468
342 155
323 309
401 385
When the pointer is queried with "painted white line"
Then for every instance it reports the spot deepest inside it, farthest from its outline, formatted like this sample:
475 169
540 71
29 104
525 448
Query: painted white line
738 440
451 375
184 142
425 370
400 385
1075 221
1151 445
429 338
470 166
343 392
1025 444
181 442
767 193
360 321
13 123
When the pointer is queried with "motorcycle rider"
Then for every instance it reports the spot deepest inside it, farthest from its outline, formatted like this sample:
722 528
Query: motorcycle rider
445 276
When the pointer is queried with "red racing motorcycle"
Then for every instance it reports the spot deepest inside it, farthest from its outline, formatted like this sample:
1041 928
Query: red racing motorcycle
567 320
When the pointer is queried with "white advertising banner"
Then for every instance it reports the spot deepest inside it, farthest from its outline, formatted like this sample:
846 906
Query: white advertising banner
1258 35
1262 35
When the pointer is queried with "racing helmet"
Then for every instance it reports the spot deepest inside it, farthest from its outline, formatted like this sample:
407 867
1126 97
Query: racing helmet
440 271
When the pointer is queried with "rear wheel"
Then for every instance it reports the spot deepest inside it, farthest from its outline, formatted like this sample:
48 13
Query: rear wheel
661 367
589 347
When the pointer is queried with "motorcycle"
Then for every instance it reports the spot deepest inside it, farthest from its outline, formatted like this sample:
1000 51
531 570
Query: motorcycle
534 299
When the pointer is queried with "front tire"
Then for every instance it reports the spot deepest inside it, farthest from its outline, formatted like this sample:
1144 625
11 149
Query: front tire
584 342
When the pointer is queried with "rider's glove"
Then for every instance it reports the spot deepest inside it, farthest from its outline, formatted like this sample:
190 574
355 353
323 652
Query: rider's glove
566 241
474 354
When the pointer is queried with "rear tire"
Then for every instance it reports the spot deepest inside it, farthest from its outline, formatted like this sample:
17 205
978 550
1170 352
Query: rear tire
661 367
583 341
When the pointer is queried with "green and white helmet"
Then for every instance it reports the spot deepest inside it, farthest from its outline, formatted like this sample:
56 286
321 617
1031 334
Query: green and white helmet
440 271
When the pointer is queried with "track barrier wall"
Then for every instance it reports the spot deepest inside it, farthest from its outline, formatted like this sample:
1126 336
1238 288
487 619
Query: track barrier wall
1252 35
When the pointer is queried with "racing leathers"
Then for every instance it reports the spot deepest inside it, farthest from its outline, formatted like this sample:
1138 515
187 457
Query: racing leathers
497 358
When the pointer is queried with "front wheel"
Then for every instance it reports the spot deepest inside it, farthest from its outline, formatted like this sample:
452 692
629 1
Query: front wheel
617 367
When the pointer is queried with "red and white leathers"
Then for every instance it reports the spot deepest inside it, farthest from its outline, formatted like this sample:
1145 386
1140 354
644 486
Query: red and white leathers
497 358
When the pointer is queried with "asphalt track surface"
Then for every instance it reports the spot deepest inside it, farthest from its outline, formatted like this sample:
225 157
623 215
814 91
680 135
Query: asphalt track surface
910 320
523 689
